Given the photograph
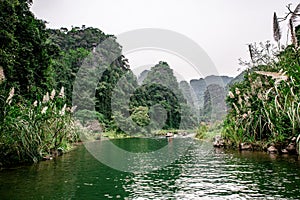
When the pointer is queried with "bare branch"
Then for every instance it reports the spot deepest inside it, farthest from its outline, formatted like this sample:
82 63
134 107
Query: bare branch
290 12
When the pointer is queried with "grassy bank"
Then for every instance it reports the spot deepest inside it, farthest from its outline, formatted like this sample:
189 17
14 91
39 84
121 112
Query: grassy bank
264 108
31 131
207 131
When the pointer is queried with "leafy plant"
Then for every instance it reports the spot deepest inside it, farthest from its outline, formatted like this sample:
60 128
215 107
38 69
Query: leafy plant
33 130
265 105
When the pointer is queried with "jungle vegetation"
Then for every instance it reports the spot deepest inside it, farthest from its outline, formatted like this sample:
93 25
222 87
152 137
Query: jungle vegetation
38 69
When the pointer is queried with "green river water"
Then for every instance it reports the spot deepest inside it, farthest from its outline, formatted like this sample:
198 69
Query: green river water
201 173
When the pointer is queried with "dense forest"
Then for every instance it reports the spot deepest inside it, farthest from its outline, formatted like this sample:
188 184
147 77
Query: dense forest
38 69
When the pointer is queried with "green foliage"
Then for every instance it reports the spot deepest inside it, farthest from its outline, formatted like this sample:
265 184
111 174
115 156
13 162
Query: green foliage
74 45
84 37
160 87
35 60
140 116
265 105
108 83
31 130
153 94
67 65
207 131
84 116
201 131
24 50
32 64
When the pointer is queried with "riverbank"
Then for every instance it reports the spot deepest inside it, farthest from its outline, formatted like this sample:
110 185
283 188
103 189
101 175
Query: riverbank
89 136
289 147
157 133
213 133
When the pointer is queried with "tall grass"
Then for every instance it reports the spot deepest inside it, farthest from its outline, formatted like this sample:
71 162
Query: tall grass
31 130
265 106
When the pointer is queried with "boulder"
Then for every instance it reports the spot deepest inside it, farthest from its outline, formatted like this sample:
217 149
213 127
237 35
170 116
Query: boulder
272 149
291 148
56 152
284 151
94 126
47 157
218 142
245 146
98 137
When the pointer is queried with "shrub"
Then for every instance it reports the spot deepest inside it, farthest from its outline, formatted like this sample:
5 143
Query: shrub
31 130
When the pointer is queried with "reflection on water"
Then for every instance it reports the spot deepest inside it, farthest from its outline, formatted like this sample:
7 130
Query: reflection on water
202 173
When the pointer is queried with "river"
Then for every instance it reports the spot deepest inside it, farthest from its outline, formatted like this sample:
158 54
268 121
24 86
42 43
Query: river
201 173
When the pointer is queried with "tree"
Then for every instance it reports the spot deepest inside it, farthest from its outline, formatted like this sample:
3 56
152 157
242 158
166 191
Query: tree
74 45
160 87
24 49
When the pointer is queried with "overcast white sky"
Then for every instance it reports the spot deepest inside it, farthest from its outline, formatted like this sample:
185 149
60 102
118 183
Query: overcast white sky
223 28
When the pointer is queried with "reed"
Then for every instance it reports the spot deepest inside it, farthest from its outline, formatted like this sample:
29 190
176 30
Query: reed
266 107
30 131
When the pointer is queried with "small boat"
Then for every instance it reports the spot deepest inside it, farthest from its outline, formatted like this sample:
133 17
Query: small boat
169 134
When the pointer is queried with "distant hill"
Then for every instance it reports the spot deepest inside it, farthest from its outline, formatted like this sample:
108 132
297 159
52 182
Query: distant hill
237 79
241 76
160 86
142 76
214 108
199 86
187 93
206 95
